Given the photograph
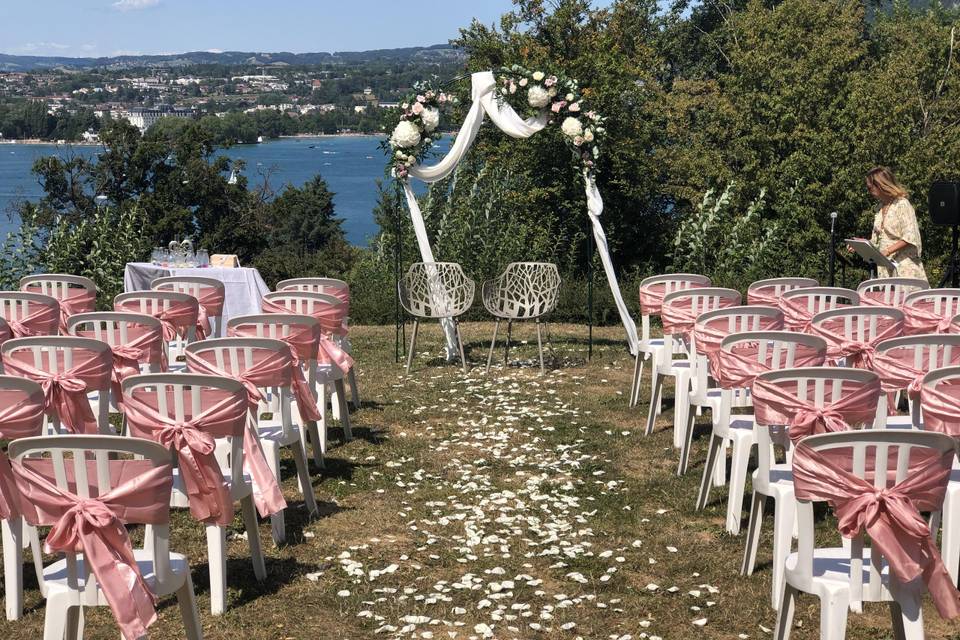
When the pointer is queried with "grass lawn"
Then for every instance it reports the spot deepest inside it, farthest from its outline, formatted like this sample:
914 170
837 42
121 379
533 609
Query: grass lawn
500 505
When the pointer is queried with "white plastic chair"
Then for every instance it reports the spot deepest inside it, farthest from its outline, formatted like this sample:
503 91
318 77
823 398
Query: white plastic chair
924 353
769 291
118 329
161 305
800 305
436 290
70 584
930 310
199 287
232 357
30 314
59 354
865 325
889 292
704 394
327 374
778 350
17 535
524 291
174 392
699 300
648 347
843 576
775 480
278 326
338 289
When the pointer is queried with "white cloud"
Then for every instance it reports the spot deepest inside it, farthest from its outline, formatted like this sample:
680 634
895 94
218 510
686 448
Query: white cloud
125 52
134 5
214 50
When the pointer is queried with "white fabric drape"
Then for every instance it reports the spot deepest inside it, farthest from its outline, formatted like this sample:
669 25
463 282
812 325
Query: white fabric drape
503 115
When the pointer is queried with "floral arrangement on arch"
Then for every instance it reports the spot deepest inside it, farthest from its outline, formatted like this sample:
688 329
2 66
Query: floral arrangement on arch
417 130
561 98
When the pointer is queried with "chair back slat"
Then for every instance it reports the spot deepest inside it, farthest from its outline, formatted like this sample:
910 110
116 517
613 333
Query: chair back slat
889 292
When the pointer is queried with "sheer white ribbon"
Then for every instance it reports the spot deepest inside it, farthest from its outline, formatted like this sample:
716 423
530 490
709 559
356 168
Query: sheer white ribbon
503 115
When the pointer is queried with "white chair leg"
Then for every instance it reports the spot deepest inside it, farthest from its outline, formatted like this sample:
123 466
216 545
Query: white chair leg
720 471
784 516
686 441
714 452
253 537
543 370
344 414
757 502
56 616
906 614
655 390
278 528
637 375
788 605
681 407
833 617
187 600
413 343
738 483
217 562
354 389
13 567
493 344
31 538
950 534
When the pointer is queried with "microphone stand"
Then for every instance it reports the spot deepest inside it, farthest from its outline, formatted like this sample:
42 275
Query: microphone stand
833 247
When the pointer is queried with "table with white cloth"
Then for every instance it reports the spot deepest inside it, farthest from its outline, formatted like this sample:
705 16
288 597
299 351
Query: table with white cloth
243 286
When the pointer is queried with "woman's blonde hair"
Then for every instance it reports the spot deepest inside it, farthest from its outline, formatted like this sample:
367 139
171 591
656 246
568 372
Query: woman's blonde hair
883 180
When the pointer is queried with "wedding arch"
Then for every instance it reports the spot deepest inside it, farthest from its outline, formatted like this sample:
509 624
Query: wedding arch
552 99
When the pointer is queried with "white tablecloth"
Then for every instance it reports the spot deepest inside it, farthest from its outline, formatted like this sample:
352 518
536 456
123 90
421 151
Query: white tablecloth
243 286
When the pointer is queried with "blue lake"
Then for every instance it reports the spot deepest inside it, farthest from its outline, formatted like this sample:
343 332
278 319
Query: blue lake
351 165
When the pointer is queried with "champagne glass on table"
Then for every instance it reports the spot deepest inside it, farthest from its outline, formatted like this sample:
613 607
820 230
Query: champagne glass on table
203 258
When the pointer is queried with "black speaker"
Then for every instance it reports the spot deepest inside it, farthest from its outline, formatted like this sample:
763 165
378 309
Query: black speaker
945 203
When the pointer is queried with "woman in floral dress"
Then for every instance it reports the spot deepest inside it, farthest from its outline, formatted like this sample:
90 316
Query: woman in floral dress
895 230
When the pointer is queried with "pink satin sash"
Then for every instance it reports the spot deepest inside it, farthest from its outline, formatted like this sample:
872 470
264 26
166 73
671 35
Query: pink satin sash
194 442
941 407
737 368
302 341
891 516
796 316
858 354
5 332
76 301
679 317
21 416
331 318
42 320
919 317
65 393
708 335
651 295
176 320
777 404
879 297
273 369
95 527
211 306
766 295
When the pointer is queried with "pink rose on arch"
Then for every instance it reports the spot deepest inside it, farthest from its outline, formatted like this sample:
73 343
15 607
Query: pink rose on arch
574 107
420 98
558 105
552 80
442 98
577 141
418 108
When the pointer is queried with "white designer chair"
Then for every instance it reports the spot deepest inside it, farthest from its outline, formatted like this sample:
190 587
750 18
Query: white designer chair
436 290
524 291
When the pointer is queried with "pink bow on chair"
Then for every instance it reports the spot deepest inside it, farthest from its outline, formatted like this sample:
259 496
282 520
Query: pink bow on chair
194 442
738 367
44 321
211 306
708 335
331 319
21 416
302 342
95 527
919 317
273 370
764 297
774 405
176 319
651 296
65 393
77 301
858 354
898 373
890 516
941 407
796 316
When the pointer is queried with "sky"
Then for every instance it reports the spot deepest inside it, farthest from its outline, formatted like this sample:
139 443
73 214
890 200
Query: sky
82 28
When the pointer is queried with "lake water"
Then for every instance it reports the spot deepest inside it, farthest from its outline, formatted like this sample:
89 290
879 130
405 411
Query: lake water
351 165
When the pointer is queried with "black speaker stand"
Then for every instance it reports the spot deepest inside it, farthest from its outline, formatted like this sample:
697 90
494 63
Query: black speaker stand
953 268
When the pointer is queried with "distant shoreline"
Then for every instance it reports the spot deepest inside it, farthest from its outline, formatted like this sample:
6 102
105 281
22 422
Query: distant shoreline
299 136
